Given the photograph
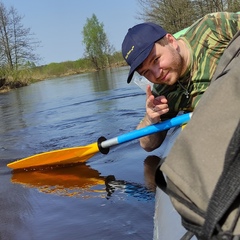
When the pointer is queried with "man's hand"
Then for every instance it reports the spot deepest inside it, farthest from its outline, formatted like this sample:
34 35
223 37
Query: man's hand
155 107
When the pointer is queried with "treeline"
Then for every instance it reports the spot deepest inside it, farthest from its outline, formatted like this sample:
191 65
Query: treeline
22 77
72 67
18 62
175 15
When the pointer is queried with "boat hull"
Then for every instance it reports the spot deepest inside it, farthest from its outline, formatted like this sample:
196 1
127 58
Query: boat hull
167 222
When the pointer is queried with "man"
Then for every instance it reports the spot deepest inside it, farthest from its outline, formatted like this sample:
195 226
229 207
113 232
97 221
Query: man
181 69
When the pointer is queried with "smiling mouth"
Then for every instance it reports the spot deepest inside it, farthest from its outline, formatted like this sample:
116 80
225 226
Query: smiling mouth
163 79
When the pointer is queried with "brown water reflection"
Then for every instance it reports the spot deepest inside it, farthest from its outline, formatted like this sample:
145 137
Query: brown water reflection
65 181
80 179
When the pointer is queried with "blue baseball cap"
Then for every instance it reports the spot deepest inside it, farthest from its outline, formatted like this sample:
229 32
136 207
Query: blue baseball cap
138 44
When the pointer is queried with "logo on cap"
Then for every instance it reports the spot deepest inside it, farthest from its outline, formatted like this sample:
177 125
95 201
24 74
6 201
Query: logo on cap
127 55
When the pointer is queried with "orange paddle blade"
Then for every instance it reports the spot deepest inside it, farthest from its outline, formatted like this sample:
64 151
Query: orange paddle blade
62 156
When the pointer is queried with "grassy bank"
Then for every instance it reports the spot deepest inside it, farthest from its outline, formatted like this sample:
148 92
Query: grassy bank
10 79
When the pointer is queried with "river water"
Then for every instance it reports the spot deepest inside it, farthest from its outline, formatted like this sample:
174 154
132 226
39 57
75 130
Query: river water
108 197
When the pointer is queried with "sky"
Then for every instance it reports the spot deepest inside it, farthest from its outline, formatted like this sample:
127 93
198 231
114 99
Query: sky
58 24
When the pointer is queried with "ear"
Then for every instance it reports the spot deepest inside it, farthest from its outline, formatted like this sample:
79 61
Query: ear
172 41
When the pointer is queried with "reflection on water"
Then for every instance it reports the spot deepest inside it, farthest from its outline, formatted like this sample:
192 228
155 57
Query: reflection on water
121 187
110 197
81 181
150 165
78 180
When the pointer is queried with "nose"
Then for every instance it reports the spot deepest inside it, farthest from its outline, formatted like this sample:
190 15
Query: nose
156 73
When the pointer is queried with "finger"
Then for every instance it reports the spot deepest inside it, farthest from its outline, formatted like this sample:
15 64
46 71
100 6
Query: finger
161 109
148 91
160 100
150 98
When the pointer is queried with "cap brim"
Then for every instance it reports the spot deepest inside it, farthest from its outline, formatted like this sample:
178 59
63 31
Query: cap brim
138 61
130 75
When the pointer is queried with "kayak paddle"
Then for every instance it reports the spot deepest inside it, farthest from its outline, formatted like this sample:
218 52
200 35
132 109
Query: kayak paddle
82 154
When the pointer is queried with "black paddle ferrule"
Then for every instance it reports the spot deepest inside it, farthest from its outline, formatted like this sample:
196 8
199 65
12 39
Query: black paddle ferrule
101 149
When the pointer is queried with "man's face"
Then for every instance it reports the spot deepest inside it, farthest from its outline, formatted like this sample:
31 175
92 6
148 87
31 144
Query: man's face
164 64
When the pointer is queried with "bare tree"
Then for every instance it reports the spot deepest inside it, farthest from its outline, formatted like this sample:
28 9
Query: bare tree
5 56
208 6
174 15
17 43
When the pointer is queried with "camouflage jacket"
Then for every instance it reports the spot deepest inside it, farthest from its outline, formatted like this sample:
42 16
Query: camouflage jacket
207 38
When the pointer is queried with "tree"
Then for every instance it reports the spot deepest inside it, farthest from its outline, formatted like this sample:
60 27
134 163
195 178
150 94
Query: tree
207 6
97 46
175 15
17 43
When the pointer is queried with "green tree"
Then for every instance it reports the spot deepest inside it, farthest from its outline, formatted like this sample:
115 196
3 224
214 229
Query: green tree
97 46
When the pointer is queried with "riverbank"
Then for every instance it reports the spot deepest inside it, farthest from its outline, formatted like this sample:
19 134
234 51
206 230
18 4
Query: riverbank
6 85
24 78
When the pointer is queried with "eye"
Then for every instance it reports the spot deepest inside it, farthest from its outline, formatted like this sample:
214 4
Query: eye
157 60
146 74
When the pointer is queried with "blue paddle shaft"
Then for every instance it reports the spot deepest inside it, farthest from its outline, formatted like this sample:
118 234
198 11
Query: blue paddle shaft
158 127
